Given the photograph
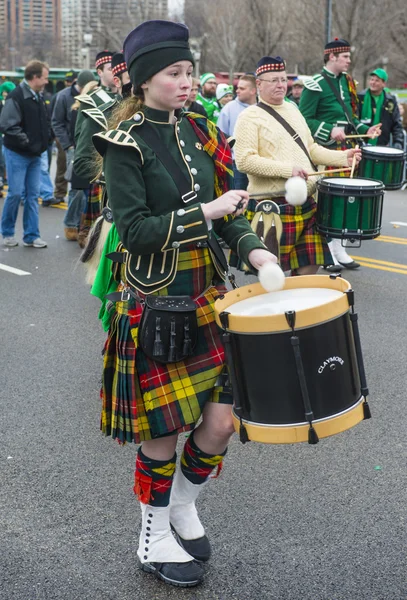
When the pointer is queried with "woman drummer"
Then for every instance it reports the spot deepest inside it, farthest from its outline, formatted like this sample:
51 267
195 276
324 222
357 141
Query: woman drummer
144 401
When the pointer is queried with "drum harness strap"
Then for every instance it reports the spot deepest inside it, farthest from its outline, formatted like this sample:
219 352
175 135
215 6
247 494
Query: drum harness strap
364 390
341 102
295 343
289 129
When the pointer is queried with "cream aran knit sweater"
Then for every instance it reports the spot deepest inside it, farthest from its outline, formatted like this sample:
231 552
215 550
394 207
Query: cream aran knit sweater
267 153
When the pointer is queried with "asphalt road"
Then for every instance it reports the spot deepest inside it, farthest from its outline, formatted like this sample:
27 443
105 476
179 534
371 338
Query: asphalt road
296 522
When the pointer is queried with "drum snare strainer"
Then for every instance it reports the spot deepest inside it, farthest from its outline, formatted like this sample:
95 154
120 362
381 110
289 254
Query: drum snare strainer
294 359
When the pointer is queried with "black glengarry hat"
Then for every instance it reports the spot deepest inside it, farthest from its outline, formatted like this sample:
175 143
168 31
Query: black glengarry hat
118 64
103 57
154 45
337 46
270 64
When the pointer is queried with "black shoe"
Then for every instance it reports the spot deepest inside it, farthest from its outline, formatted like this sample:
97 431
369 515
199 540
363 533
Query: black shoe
350 265
187 574
51 202
333 268
200 548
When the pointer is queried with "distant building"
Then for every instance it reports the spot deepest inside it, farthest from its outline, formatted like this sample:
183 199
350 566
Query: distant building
29 29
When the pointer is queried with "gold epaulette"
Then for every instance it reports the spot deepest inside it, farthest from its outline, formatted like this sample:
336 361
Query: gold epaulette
96 115
86 99
116 137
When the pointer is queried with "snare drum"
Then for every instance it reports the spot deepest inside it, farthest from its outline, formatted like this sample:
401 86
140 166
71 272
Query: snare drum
383 163
350 208
262 342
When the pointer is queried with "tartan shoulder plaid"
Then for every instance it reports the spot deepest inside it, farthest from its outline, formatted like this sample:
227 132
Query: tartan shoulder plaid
215 144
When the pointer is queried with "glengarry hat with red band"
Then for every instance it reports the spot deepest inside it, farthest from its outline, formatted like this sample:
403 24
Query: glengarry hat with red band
153 46
118 64
270 64
102 58
337 46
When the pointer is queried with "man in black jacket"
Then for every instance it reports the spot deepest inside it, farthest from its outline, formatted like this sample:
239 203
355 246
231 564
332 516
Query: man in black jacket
24 122
379 106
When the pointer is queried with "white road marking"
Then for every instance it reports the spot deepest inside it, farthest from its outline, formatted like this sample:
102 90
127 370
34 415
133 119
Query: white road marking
401 223
13 270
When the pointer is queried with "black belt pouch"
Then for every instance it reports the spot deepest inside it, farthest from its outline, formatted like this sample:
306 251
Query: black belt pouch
168 329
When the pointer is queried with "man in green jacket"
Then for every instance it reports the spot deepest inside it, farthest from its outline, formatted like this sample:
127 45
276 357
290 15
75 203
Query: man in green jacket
329 104
207 96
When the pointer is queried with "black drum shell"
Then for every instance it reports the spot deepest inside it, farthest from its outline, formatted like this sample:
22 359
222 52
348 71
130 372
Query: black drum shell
265 380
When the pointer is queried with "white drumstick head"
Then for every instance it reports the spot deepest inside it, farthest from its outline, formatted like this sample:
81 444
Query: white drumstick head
271 277
296 191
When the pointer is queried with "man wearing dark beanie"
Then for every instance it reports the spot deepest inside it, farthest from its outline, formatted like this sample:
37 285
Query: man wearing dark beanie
163 215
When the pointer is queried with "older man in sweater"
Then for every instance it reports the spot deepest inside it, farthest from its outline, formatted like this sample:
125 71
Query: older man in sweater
270 154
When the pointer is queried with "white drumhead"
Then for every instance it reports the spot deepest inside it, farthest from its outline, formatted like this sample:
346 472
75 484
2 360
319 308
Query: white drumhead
381 150
351 182
277 303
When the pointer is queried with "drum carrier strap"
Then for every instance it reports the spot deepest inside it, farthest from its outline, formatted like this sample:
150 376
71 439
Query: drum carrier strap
151 137
295 343
289 129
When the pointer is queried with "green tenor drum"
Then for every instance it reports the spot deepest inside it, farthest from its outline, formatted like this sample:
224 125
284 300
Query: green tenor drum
350 209
385 164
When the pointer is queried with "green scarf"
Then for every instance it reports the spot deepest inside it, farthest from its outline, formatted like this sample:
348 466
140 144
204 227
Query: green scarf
372 110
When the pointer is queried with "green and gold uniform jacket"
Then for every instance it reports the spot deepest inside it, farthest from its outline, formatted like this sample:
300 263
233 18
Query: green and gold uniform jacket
94 121
153 222
322 110
96 98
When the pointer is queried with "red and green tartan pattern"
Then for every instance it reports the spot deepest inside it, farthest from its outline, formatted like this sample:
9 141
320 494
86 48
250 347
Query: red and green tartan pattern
215 144
196 465
142 399
93 206
342 145
301 244
153 479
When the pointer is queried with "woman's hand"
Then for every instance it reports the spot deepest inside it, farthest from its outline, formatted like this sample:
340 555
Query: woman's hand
233 202
259 257
354 152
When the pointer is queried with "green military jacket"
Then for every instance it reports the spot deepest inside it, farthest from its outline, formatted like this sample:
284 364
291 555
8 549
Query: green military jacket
154 223
94 121
322 110
96 98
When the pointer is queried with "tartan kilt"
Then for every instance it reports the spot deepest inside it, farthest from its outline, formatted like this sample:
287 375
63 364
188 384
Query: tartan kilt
300 243
343 145
142 399
93 206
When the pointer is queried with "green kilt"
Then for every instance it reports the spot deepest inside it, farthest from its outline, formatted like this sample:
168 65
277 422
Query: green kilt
142 399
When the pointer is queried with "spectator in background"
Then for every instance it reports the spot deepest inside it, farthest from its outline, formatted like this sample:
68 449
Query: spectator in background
224 94
61 124
191 105
61 185
27 131
207 96
376 105
296 90
5 89
246 95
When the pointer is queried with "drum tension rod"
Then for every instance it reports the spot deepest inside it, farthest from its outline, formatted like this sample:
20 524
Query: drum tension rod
364 390
224 319
290 316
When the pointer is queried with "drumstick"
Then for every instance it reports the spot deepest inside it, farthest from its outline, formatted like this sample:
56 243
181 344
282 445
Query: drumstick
354 162
329 172
351 137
